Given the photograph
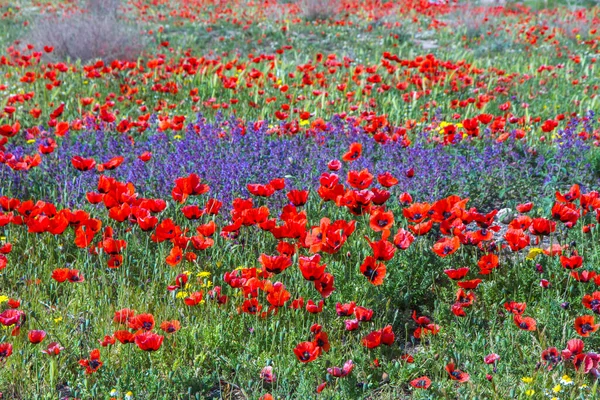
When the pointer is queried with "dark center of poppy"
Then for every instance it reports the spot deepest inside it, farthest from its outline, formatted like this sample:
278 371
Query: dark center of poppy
456 374
305 356
585 328
417 216
147 326
523 325
94 364
252 309
370 273
382 222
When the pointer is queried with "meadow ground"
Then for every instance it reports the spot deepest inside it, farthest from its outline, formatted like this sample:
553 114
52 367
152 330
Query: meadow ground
304 199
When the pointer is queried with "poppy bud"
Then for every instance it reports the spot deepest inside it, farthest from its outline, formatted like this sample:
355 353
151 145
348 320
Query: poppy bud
539 268
334 165
489 377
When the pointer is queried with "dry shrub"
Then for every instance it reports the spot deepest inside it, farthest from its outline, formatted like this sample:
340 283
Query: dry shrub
97 33
322 10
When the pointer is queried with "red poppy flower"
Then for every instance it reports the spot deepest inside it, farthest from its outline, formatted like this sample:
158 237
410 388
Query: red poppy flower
574 347
334 165
573 194
261 190
472 284
6 350
585 326
387 180
542 227
306 352
11 317
380 196
383 336
372 340
149 341
583 276
515 308
188 186
275 264
145 156
345 310
517 239
141 321
123 316
107 340
351 324
456 374
313 308
166 230
92 364
585 362
175 256
525 207
360 179
421 383
110 164
170 326
573 262
363 314
298 197
487 263
521 222
113 246
192 212
251 306
277 294
354 152
458 309
387 336
403 239
382 249
83 164
212 207
36 336
457 274
373 271
53 349
491 358
381 220
194 298
321 340
341 372
592 302
551 356
310 268
446 246
60 274
525 323
405 199
124 336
